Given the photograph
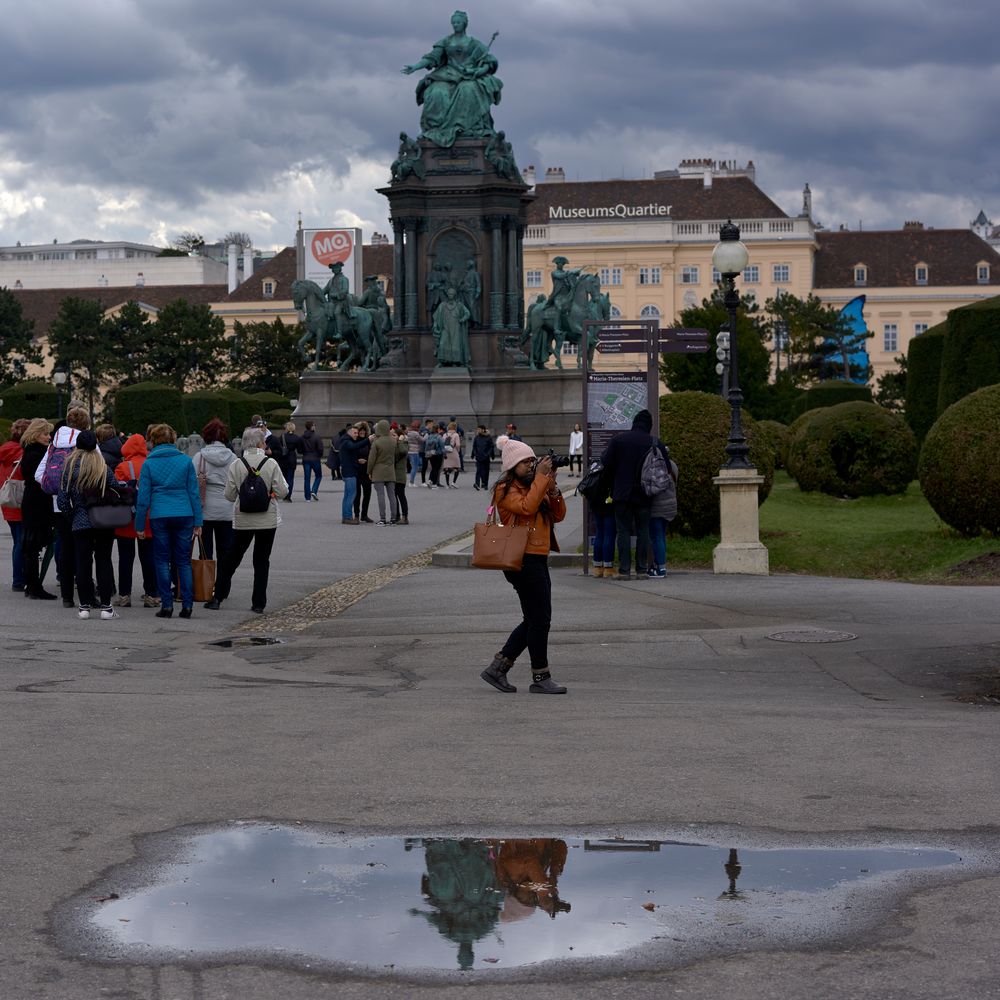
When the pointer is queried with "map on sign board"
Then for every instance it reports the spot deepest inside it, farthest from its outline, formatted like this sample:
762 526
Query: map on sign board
614 398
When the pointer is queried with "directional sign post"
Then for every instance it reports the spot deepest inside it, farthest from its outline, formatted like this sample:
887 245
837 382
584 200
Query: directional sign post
611 399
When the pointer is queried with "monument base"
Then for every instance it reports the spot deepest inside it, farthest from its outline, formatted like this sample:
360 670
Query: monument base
740 549
544 405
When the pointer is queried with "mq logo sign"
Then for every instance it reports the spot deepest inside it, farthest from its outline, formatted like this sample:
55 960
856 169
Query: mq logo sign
332 245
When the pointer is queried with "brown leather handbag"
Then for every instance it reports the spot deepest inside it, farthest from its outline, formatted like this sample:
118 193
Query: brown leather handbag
203 572
498 546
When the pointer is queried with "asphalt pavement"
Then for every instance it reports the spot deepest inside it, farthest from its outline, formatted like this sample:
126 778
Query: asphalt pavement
688 709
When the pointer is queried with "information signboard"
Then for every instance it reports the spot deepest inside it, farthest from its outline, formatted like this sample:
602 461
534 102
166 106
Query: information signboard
323 247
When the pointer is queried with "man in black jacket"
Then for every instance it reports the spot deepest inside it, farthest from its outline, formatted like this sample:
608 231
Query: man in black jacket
623 460
312 458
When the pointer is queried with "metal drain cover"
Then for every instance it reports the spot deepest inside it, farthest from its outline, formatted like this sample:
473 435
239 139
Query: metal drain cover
811 635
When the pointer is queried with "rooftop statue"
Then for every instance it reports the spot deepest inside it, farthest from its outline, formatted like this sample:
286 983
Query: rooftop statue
460 88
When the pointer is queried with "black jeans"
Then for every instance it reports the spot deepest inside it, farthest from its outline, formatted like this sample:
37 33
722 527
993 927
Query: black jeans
262 540
93 546
67 555
126 562
483 472
217 535
33 544
534 591
404 507
363 497
625 512
436 462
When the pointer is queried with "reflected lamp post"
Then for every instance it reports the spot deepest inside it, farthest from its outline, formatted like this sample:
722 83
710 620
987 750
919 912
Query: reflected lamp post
730 258
59 376
722 353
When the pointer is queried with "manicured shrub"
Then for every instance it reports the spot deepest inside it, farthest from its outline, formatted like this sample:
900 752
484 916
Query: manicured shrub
695 425
242 407
31 399
270 401
203 405
5 426
278 418
959 473
796 431
137 406
923 379
833 392
971 355
776 436
854 450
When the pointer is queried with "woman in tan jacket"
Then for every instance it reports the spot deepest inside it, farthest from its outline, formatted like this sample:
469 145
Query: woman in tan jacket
527 494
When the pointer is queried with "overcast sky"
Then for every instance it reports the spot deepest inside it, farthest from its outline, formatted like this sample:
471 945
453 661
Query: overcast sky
137 119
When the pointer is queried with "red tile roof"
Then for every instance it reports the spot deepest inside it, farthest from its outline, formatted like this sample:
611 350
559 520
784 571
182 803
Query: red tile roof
891 256
688 198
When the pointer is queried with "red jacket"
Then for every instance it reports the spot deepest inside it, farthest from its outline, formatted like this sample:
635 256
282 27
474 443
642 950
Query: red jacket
10 452
134 453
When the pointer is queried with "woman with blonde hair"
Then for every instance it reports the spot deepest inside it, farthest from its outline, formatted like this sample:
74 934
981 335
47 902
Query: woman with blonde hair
168 491
86 476
36 509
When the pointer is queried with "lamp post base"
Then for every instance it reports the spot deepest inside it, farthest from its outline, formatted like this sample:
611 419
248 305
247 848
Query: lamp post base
740 549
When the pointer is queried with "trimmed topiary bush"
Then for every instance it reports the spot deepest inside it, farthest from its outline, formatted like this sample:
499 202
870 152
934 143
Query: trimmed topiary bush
31 399
242 406
695 425
137 406
278 418
795 432
959 473
203 405
854 450
971 355
923 379
270 401
776 436
833 392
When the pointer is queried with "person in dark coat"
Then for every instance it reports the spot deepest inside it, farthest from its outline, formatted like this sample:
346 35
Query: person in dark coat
109 444
312 460
37 516
623 460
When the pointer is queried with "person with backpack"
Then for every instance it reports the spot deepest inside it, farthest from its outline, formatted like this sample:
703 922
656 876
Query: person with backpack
623 460
659 482
169 493
434 454
48 475
255 483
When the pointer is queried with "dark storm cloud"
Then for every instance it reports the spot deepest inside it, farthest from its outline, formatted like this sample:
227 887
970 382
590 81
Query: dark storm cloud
192 103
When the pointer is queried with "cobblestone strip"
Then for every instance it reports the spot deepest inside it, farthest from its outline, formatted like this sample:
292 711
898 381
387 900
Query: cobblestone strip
331 601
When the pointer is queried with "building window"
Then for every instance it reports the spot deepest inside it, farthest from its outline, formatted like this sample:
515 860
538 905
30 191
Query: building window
921 274
649 276
611 276
533 279
689 274
983 274
616 313
860 275
890 337
919 328
716 276
268 288
649 312
751 275
781 273
568 348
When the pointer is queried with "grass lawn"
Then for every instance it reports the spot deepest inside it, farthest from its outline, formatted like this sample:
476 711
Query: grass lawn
881 538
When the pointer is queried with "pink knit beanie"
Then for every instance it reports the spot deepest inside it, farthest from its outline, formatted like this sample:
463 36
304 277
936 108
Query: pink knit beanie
512 452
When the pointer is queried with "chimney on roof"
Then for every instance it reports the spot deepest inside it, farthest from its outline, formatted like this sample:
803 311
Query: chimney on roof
529 175
706 177
247 261
913 224
555 175
140 280
233 282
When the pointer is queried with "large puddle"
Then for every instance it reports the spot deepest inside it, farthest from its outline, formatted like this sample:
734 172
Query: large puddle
305 896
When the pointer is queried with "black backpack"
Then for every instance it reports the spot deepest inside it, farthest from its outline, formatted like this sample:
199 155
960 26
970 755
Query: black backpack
254 494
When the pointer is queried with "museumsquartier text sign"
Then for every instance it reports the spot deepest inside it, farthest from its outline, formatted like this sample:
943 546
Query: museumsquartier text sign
620 211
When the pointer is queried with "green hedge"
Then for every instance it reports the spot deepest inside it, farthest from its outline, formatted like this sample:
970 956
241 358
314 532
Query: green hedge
33 399
797 431
833 392
695 425
270 401
137 406
853 450
242 406
971 355
959 473
5 426
923 379
203 405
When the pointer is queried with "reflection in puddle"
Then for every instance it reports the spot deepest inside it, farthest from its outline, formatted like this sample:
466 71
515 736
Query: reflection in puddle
281 894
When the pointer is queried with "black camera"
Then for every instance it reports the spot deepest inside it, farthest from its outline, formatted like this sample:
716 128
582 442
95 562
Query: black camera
558 461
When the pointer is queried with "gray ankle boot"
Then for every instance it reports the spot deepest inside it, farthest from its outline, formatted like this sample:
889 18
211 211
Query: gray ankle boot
542 683
496 674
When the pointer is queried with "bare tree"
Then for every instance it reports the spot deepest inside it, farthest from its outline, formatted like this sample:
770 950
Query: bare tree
240 239
188 241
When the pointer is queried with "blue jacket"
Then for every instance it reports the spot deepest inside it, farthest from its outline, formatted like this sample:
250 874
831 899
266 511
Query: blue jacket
168 486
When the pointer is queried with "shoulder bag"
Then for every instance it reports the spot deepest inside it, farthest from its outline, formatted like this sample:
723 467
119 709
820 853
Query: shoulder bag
12 491
498 546
114 508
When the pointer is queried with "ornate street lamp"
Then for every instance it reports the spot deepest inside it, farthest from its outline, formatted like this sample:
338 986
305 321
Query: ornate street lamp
722 353
59 376
730 258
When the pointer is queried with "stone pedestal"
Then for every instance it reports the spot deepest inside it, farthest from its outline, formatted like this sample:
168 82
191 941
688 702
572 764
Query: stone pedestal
450 392
740 549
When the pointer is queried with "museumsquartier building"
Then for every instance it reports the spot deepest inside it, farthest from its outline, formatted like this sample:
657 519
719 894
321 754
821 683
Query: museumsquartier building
651 243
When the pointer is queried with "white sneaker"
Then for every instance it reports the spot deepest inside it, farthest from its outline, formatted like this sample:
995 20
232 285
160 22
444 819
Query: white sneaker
83 614
108 613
